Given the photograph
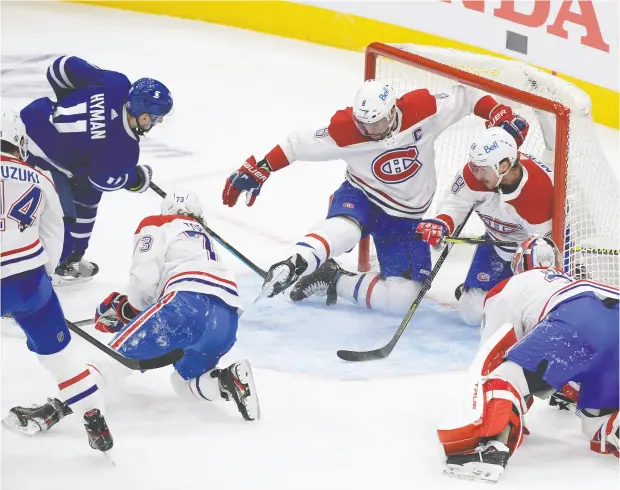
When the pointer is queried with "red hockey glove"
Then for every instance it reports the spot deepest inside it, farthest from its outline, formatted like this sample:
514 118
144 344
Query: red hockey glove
433 231
249 178
114 313
503 117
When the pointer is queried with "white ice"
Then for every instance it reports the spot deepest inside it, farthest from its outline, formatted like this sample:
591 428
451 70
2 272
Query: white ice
326 424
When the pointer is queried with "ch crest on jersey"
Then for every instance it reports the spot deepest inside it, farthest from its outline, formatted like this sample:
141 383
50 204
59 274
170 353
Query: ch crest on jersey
396 166
498 226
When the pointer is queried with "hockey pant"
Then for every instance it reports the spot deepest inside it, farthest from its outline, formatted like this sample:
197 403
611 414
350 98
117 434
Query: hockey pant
30 299
202 325
404 261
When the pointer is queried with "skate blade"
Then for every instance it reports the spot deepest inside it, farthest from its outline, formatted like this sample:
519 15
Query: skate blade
11 422
269 286
67 280
244 372
109 456
477 471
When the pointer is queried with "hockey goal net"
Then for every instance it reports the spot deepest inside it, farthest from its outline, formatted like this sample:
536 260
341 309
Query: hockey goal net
562 135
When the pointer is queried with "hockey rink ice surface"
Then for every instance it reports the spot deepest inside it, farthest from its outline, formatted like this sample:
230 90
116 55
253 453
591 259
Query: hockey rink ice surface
325 424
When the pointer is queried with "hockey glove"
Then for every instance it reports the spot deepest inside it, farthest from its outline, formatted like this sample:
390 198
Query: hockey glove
114 313
249 178
139 179
503 117
432 231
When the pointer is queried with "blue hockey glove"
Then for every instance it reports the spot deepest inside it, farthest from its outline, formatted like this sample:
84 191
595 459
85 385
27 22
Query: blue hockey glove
139 179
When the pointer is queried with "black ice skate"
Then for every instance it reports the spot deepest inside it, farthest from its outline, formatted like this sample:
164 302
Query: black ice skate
99 436
237 383
282 275
30 420
322 282
458 292
487 462
74 269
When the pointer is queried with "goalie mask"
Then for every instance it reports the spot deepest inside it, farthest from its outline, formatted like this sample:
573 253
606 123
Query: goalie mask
13 132
374 110
487 153
181 202
536 252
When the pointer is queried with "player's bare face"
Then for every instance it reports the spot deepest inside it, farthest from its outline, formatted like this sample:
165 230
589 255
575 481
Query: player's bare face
377 131
147 121
485 174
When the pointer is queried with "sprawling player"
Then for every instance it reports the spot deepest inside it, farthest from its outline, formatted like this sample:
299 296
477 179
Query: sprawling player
541 329
31 222
499 183
89 140
512 193
180 296
388 145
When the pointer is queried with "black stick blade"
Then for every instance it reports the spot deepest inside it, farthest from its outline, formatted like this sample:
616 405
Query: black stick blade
353 356
160 361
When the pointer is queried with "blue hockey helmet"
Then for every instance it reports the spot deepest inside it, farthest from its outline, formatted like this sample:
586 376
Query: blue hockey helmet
149 96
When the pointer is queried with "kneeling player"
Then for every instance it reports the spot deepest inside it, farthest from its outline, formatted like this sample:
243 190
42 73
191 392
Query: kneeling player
388 145
512 193
180 296
503 185
541 329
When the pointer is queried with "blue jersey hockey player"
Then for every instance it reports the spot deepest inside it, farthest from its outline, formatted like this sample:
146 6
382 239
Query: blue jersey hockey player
89 140
32 236
541 329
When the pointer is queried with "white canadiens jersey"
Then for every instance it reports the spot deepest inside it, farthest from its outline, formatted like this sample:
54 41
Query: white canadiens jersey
526 299
174 253
398 173
31 218
514 216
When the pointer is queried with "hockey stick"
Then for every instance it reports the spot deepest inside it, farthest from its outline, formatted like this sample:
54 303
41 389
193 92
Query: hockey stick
386 350
219 239
135 364
500 243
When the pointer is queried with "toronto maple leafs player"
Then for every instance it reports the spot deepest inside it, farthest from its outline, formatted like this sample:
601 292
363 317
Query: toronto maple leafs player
512 193
180 296
388 145
89 140
541 329
31 221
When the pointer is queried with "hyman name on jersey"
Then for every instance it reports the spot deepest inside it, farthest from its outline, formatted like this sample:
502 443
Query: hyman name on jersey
97 117
18 173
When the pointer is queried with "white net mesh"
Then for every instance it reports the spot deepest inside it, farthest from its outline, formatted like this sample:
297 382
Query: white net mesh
592 208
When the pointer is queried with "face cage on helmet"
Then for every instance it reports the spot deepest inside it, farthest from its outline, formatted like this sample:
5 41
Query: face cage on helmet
523 259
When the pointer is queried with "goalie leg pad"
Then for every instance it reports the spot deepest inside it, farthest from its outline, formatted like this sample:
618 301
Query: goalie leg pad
604 431
497 403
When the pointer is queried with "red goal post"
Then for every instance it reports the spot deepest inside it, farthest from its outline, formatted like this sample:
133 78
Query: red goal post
494 76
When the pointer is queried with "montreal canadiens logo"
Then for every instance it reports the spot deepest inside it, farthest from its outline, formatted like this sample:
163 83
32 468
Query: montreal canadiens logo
396 166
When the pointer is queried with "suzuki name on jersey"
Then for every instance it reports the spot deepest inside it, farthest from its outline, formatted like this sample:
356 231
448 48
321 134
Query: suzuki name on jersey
396 166
97 116
17 173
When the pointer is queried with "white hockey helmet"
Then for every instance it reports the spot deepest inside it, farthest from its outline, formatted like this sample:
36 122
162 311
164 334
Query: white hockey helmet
534 252
489 150
181 202
13 131
374 109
